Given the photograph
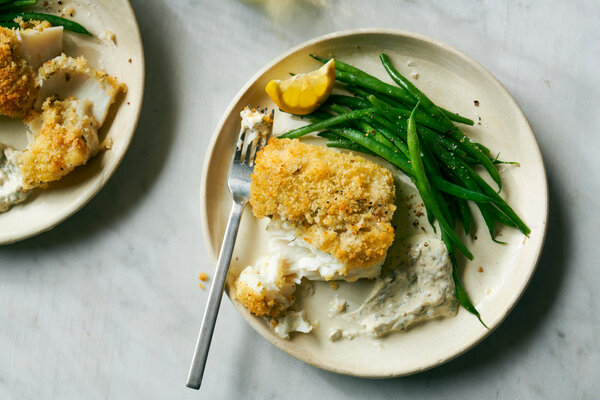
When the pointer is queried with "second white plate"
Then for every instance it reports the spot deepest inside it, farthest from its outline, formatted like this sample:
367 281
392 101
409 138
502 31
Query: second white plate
124 59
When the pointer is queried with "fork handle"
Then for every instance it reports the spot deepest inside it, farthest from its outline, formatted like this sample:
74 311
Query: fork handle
214 297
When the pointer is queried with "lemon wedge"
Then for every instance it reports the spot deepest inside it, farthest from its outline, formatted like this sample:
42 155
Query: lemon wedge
303 93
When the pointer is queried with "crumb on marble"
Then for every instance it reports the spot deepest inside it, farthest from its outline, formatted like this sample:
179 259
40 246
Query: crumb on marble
202 276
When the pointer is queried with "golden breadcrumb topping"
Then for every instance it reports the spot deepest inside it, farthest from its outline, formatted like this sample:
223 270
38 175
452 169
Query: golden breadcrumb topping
338 202
258 303
264 302
68 138
18 81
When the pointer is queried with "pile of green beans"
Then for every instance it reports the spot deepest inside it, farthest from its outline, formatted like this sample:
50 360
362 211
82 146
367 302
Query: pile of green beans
12 9
403 126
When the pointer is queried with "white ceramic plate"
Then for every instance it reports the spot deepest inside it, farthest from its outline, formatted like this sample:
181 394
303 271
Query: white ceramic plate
123 59
453 81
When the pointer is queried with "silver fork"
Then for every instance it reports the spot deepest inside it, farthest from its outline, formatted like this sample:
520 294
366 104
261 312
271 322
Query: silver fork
238 181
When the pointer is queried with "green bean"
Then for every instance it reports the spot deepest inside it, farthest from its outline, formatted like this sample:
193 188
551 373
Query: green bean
487 212
459 191
318 115
498 201
455 215
15 4
329 135
484 149
465 214
349 101
461 294
374 84
365 127
335 140
366 93
440 201
503 219
348 145
53 19
393 156
425 188
432 169
452 116
317 126
389 134
469 146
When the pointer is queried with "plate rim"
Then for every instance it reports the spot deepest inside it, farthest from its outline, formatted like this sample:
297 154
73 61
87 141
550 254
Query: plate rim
260 328
81 201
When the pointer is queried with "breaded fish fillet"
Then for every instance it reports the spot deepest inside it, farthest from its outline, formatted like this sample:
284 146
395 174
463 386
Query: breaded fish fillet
340 203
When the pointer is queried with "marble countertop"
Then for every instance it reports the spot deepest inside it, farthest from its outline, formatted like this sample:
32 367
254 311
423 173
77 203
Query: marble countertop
107 304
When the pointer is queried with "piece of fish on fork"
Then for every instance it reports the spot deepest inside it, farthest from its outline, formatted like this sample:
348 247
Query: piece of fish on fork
257 127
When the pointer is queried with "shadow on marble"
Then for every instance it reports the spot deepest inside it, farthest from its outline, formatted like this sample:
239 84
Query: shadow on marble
145 158
289 17
513 336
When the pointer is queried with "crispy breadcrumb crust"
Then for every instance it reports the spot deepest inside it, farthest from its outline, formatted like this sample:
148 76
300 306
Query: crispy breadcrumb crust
18 80
32 24
338 202
67 139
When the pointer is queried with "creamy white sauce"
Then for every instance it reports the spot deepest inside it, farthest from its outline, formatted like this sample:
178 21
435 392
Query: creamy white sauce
11 182
421 288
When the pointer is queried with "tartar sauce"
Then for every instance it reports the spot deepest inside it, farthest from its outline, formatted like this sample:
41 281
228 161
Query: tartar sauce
421 288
